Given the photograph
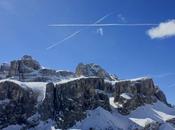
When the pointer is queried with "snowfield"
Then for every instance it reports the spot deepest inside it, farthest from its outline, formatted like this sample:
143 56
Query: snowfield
142 116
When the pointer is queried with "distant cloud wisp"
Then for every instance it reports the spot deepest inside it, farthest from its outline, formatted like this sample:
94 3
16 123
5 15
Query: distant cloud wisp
163 30
100 31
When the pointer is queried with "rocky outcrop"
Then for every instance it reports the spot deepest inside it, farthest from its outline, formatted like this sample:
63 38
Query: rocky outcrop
171 121
65 74
152 126
93 70
4 67
29 70
75 97
4 70
65 103
51 75
160 95
47 108
67 97
17 104
18 68
131 94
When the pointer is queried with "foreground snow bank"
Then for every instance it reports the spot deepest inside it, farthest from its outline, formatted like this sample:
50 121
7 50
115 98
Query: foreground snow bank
141 117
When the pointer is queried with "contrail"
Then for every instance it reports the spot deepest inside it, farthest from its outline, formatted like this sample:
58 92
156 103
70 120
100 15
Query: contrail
104 17
102 25
77 32
68 37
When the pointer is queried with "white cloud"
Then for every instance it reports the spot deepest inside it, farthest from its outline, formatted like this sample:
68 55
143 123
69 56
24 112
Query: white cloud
163 30
100 31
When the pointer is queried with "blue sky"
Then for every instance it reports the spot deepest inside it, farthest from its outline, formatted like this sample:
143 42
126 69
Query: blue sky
127 51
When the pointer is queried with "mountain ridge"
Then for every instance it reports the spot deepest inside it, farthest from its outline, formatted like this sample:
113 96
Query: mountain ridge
33 98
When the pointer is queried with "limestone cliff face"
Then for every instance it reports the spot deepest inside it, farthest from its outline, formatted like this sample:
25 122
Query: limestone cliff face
29 70
134 93
75 97
67 102
67 97
16 104
26 65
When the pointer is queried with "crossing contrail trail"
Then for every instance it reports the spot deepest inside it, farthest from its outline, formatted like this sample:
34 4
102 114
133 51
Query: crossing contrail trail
102 25
77 32
68 37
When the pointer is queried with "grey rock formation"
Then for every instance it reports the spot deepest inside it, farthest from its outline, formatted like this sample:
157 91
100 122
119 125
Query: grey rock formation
25 65
152 126
4 70
132 94
47 108
66 102
4 67
65 74
171 121
75 97
160 95
18 68
29 70
93 70
17 104
47 72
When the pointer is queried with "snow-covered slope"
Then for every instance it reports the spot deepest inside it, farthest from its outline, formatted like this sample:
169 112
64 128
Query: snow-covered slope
101 119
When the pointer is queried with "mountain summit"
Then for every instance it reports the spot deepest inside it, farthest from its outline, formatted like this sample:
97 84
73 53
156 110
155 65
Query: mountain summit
37 98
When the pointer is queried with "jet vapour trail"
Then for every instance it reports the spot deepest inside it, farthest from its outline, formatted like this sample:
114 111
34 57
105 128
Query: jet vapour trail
77 32
102 25
68 37
104 17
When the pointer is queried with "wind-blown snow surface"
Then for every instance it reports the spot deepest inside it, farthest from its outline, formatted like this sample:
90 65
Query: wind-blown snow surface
142 116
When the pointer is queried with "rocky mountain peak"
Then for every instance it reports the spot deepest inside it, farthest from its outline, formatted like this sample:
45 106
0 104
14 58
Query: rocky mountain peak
27 57
93 70
29 62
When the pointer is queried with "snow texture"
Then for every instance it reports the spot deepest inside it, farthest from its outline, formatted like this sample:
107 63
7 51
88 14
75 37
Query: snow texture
142 116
